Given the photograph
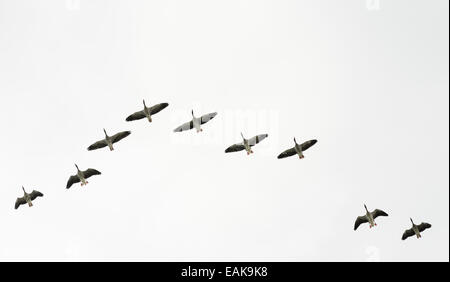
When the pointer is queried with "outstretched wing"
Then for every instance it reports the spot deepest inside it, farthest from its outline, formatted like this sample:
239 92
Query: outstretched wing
98 145
20 201
72 180
408 233
204 119
157 108
423 226
185 126
360 220
377 213
308 144
90 172
255 140
136 116
119 136
287 153
34 194
235 148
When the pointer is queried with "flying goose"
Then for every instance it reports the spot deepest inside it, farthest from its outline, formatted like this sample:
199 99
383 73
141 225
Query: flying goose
27 198
298 149
195 122
369 217
81 176
109 141
147 112
246 144
415 230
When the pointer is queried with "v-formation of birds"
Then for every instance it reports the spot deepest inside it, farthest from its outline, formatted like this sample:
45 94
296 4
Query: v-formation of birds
197 122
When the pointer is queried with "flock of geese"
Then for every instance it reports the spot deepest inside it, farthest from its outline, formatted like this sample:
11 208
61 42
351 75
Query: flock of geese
197 122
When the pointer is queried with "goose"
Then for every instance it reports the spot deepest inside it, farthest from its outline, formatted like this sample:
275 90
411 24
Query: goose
195 122
147 112
27 198
415 230
297 149
109 141
369 217
246 144
81 176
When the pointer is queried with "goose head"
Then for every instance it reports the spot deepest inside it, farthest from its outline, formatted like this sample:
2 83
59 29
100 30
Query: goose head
366 208
192 112
143 101
295 141
412 221
24 190
106 134
77 167
242 135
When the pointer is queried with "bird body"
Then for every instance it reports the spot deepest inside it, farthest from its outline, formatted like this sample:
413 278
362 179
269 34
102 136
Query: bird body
195 122
246 145
369 217
298 150
147 113
415 230
27 198
109 140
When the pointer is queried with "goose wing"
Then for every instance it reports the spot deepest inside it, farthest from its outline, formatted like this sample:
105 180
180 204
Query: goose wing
72 180
185 126
360 220
255 140
235 148
308 144
136 116
204 119
34 194
287 153
19 202
423 226
90 172
408 233
376 213
119 136
157 108
98 145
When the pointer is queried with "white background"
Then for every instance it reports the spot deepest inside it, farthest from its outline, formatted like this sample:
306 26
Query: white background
369 81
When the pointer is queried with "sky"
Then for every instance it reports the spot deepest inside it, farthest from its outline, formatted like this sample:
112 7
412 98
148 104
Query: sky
367 79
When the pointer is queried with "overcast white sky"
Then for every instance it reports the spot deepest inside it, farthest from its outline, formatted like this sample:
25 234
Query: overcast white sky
370 82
